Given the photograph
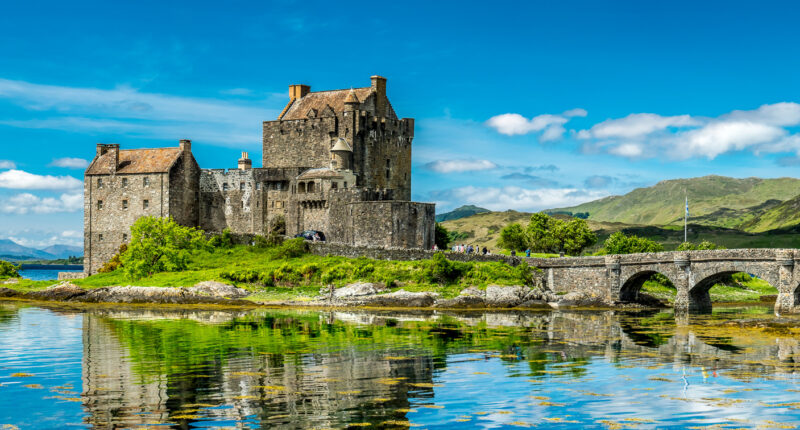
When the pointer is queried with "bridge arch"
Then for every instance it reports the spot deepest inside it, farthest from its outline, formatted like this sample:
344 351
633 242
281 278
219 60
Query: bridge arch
632 282
705 277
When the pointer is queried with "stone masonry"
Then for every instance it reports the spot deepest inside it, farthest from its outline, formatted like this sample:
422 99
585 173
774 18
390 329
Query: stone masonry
338 162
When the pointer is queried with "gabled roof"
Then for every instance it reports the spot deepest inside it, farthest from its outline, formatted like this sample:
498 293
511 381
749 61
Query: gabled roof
155 160
319 100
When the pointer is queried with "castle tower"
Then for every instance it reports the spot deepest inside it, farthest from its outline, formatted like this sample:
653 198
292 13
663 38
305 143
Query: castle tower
340 155
245 163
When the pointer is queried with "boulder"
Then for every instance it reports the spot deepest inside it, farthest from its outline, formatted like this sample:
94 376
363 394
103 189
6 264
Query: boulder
464 301
579 299
63 291
218 289
358 289
403 298
11 281
506 297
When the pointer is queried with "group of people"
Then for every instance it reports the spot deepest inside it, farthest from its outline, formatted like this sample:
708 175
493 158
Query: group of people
469 249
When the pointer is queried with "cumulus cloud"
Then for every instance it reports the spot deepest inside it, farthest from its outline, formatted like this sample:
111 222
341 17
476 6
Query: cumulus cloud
642 135
514 197
25 203
130 111
453 166
70 163
550 126
6 164
22 180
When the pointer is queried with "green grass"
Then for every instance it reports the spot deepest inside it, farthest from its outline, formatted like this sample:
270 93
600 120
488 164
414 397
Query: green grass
272 275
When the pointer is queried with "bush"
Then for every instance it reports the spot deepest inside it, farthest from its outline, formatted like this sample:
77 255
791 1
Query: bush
8 270
159 245
223 240
513 238
547 234
115 262
619 243
441 236
689 246
292 248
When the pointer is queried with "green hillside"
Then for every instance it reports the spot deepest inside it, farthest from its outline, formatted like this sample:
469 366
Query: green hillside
786 214
736 201
462 212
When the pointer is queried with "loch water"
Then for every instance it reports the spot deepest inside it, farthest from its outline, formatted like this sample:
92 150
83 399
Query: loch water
166 367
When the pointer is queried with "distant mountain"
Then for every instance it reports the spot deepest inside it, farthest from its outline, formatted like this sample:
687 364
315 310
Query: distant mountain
64 251
786 214
462 212
734 201
10 250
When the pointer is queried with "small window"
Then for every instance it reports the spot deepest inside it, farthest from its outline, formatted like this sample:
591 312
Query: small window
242 204
279 204
99 204
345 184
272 204
146 181
99 182
241 186
100 236
124 182
145 204
225 187
124 237
258 185
279 186
334 185
124 204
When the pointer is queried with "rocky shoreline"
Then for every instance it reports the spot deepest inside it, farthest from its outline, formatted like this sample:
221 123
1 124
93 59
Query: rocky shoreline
353 295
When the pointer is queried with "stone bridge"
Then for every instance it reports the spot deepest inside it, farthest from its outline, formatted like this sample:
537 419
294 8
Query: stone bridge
620 277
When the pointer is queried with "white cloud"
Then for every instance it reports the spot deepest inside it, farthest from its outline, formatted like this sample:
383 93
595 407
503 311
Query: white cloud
6 164
452 166
72 234
640 135
25 203
70 163
22 180
517 198
127 110
551 126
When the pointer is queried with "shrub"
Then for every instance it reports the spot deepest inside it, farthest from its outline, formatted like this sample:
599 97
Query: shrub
619 243
525 273
159 245
513 238
441 236
115 262
442 271
689 246
292 248
223 240
8 270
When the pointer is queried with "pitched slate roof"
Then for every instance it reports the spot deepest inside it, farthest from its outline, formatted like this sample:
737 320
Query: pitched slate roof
323 172
319 100
155 160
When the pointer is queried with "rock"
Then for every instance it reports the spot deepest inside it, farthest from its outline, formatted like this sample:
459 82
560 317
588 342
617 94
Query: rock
11 281
578 299
358 289
218 289
403 298
464 301
63 292
8 292
473 291
506 297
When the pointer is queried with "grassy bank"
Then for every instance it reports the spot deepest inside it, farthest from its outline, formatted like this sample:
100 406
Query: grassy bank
287 272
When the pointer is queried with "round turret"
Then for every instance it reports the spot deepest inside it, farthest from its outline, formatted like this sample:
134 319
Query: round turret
340 155
351 101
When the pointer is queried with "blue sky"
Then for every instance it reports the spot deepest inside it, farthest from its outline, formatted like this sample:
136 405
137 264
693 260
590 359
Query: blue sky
518 105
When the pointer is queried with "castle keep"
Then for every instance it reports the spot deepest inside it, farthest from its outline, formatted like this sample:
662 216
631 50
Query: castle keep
338 162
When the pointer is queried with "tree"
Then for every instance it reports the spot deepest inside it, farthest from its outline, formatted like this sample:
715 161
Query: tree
513 238
689 246
575 236
441 237
159 245
619 243
8 270
543 232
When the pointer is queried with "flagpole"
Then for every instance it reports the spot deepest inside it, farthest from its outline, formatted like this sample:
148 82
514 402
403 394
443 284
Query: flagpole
685 219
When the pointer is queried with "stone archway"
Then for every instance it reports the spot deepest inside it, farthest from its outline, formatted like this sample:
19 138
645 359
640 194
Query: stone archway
629 291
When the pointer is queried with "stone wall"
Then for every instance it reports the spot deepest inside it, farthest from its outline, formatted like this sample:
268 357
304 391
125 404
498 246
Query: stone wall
398 254
184 179
66 276
125 198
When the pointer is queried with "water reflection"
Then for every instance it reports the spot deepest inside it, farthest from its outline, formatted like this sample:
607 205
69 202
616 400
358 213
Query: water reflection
162 368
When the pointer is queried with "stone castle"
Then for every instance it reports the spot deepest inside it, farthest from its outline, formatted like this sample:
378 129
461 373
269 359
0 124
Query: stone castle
338 162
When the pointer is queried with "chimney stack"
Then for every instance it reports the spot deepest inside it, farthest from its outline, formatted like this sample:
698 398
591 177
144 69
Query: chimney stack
245 163
103 148
298 91
379 86
185 145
